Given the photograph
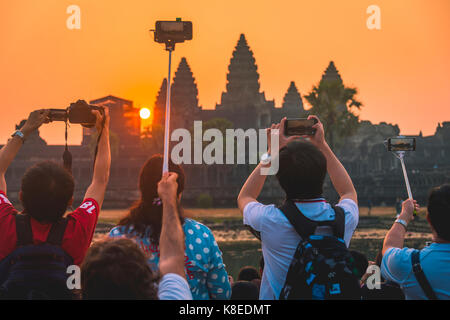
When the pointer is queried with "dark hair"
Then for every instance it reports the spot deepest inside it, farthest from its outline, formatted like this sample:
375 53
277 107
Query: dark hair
360 262
439 210
47 189
302 170
145 213
244 290
117 269
248 273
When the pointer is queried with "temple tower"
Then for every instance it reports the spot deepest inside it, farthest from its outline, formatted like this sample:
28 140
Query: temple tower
184 99
292 102
331 73
242 103
159 108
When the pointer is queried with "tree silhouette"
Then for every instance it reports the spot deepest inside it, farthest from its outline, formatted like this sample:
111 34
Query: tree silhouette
334 104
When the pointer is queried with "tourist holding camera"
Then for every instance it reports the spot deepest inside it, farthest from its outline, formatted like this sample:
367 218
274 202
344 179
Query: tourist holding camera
303 166
40 230
422 274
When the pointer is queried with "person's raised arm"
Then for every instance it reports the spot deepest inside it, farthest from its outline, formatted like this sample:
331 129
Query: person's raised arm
12 147
338 175
171 242
255 182
100 178
396 235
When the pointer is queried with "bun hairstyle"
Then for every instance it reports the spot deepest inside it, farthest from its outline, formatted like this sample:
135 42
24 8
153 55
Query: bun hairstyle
145 217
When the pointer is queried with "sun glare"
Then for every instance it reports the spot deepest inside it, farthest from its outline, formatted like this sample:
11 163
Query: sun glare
144 113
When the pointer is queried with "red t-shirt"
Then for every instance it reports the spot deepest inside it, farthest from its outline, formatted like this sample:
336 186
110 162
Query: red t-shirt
77 238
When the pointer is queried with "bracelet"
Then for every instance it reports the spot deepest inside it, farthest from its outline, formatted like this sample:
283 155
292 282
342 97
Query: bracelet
402 222
19 134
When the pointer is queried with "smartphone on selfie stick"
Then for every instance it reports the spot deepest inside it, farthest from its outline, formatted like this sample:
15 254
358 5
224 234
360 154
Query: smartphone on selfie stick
399 146
170 33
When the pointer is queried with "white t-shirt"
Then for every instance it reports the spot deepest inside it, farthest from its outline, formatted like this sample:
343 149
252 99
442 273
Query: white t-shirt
174 287
279 238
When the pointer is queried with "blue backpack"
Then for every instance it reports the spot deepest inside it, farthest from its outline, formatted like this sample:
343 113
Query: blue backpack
36 271
322 267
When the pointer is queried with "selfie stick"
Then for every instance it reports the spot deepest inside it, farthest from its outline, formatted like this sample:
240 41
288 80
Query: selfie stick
167 119
169 41
401 155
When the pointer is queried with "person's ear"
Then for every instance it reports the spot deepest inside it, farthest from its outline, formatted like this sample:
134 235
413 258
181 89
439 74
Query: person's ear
179 197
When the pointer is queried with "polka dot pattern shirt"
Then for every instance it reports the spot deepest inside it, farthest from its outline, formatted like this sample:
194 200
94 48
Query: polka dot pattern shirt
205 270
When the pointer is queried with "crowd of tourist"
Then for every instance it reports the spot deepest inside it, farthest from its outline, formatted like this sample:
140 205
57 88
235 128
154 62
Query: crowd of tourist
155 252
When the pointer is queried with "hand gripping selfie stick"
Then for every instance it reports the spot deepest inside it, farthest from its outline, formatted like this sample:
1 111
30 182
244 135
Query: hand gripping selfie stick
169 33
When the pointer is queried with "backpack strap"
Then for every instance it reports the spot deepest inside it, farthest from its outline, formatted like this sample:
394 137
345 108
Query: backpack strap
23 230
56 233
302 225
306 227
420 276
339 222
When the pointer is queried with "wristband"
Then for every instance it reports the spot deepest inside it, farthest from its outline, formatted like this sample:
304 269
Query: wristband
19 134
266 159
402 222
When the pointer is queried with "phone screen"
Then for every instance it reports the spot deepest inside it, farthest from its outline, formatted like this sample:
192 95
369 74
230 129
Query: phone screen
402 144
299 127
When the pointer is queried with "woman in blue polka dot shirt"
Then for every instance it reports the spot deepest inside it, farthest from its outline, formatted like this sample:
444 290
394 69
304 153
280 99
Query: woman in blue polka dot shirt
205 271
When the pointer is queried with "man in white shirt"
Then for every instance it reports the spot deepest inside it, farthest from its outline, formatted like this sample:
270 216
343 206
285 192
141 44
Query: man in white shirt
302 169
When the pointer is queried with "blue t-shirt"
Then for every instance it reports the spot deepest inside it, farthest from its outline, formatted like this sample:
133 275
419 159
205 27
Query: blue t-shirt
435 261
205 270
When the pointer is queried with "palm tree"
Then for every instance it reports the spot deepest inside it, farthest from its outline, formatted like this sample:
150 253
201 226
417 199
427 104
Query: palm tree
334 104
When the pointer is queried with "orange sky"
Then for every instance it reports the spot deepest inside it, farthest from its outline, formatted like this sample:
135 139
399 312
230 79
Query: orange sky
402 71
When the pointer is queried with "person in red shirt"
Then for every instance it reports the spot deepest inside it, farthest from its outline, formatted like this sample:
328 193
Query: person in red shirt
47 191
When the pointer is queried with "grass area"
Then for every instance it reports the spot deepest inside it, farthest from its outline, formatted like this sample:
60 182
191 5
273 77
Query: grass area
380 217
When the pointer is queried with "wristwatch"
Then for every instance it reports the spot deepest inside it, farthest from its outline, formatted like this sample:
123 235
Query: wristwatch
19 134
265 159
402 222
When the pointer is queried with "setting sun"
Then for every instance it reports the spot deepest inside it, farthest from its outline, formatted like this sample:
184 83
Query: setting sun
144 113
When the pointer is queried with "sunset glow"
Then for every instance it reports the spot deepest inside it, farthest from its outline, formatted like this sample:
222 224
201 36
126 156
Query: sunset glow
144 113
401 71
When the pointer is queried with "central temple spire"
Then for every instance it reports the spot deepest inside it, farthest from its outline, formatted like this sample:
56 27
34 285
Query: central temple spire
242 77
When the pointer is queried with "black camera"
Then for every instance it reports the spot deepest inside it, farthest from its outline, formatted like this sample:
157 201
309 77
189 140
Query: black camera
77 112
171 32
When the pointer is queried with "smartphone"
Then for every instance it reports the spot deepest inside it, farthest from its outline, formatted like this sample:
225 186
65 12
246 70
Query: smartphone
401 144
299 127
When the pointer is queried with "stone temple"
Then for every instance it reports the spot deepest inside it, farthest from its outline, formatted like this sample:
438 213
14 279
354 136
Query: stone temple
376 173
